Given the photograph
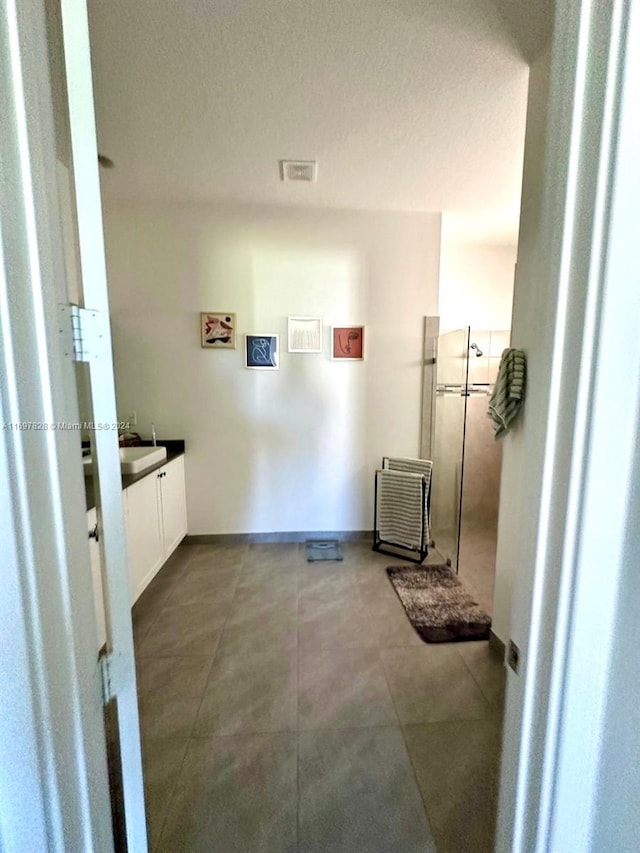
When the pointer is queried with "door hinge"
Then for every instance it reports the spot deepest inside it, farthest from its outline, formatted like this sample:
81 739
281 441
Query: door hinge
113 675
83 331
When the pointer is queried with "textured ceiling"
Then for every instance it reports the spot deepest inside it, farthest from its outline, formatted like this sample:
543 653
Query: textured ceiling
405 105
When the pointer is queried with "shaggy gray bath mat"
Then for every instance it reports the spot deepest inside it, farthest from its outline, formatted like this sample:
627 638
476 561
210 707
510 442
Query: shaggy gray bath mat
437 604
322 549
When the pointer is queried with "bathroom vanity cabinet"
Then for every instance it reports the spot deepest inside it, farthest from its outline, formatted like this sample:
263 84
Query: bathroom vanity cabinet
155 516
156 521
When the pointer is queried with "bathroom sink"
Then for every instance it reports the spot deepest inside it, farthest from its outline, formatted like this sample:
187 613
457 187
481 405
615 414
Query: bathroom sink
134 460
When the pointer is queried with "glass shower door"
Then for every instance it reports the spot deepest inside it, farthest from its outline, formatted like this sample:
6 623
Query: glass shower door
452 371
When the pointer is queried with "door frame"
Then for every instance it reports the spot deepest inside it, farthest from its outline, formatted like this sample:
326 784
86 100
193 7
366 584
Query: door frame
569 612
59 799
119 659
54 785
54 791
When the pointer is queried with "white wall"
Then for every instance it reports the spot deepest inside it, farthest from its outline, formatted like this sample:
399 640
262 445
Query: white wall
569 520
476 282
523 448
532 327
288 450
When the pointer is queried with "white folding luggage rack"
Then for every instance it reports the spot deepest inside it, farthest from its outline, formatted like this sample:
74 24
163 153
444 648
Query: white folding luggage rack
402 507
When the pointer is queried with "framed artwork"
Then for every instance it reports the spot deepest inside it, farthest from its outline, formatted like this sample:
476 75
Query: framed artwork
261 352
305 334
347 343
218 330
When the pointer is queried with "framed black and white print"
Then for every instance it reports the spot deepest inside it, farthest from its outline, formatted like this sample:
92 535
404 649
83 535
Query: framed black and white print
305 334
261 352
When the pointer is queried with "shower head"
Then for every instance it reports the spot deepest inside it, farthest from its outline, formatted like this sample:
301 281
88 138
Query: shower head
479 352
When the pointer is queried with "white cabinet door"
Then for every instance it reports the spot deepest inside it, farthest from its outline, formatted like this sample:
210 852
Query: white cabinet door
155 514
173 505
96 575
144 532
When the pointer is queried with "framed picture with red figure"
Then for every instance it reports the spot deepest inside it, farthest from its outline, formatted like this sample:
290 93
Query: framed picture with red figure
347 343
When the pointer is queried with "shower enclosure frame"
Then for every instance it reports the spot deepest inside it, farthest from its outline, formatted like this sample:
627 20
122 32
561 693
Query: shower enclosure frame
454 368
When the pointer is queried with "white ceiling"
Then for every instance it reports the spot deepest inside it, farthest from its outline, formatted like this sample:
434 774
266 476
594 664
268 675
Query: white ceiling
405 104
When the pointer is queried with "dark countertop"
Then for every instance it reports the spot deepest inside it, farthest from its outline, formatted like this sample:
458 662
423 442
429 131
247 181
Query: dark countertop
175 448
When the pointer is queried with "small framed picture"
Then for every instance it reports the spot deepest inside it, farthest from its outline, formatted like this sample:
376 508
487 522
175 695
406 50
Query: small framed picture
218 330
261 352
347 343
305 334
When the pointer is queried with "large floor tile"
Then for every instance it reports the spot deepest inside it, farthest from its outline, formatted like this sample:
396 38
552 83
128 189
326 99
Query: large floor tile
477 562
457 768
432 683
182 676
390 624
148 606
216 556
361 553
488 670
141 623
376 589
358 794
167 716
177 561
286 555
235 794
266 588
192 629
237 645
342 688
322 581
205 585
161 760
249 692
340 623
261 626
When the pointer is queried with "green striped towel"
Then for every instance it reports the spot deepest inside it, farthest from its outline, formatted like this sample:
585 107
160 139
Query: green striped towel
508 392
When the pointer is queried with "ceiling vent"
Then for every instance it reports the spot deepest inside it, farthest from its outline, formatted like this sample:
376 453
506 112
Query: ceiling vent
299 170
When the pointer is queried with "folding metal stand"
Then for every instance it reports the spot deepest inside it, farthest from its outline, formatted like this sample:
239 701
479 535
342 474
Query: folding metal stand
382 545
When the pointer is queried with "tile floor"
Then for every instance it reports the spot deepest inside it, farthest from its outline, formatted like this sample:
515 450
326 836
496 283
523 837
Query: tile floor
289 706
478 545
477 560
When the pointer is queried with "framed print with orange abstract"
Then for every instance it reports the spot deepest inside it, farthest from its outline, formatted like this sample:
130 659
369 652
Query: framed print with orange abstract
347 343
218 330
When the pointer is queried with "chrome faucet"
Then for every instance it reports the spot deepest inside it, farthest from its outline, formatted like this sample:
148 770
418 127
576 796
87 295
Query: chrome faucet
153 434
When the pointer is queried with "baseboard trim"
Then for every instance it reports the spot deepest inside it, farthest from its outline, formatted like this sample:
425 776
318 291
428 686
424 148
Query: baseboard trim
496 646
275 538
